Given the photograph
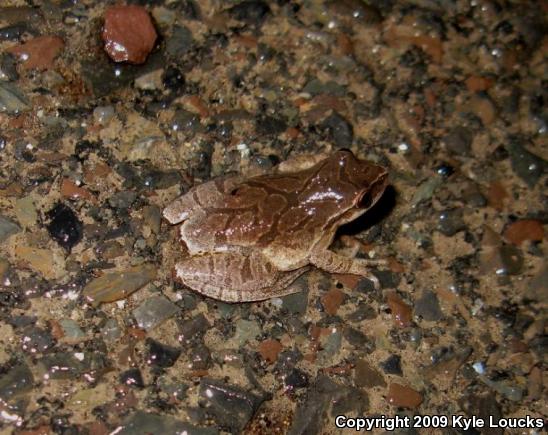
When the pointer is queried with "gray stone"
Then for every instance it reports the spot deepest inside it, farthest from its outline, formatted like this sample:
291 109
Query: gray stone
154 311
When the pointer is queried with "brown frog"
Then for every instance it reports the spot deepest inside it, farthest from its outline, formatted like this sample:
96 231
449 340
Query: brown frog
249 238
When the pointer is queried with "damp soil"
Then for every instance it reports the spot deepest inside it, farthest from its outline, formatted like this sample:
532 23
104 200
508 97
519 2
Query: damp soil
95 335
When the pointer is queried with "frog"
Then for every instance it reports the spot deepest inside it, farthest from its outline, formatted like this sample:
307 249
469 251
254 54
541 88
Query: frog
249 238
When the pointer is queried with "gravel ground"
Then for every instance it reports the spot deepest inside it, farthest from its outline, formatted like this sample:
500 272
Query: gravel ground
109 113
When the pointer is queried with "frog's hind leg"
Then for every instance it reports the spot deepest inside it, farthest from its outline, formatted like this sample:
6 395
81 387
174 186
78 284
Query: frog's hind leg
235 277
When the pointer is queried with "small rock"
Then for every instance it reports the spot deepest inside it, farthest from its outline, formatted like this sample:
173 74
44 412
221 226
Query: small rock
128 33
297 302
296 379
122 200
252 12
70 190
111 331
483 108
150 81
403 397
428 307
153 312
392 365
231 406
340 130
147 423
200 358
366 376
16 382
71 329
528 166
524 229
26 211
401 312
35 339
7 228
511 259
180 42
194 328
270 126
459 140
13 32
332 300
161 355
132 378
8 68
38 53
103 114
38 259
269 350
450 222
12 99
64 226
118 285
246 330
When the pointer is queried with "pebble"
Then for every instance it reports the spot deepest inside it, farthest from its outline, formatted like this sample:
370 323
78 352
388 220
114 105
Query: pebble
132 378
180 42
392 365
118 285
296 379
193 329
231 406
35 339
296 303
128 33
26 211
8 67
161 355
200 358
459 140
64 226
38 259
7 228
524 229
153 311
428 307
147 423
12 99
401 312
103 114
38 53
70 190
483 108
526 165
366 376
269 350
340 130
511 260
252 12
150 81
71 329
246 330
16 382
13 32
270 126
402 396
111 331
122 200
332 300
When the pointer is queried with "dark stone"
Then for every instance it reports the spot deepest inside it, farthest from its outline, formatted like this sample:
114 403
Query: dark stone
174 79
161 355
366 376
459 140
387 278
267 126
64 226
359 340
392 365
36 339
483 407
122 200
156 179
231 406
147 423
200 358
16 381
528 166
132 378
8 65
186 122
450 222
252 12
13 32
296 379
340 130
428 306
180 42
512 259
193 329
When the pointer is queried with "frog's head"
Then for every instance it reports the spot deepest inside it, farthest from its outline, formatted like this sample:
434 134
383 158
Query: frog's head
358 183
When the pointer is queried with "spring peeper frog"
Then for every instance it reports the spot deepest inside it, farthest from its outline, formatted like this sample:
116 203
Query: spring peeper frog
249 239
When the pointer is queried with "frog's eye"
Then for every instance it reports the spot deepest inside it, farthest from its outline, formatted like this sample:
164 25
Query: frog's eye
366 200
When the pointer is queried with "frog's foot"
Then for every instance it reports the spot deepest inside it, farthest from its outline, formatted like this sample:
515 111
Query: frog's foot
235 277
335 263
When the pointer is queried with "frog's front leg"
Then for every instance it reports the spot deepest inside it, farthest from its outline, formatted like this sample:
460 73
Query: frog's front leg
336 263
235 276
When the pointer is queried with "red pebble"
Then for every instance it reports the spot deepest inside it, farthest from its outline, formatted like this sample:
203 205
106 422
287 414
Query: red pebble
128 33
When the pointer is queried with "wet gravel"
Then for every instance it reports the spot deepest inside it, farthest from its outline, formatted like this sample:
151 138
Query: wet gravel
103 124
